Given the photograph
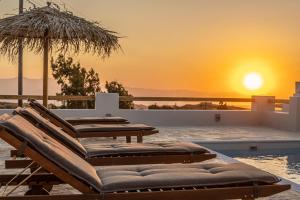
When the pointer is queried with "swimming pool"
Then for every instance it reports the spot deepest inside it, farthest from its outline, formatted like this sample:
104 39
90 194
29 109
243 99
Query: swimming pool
281 162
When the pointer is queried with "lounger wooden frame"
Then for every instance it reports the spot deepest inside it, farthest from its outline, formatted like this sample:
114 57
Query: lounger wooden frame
128 134
80 122
124 160
139 134
37 179
245 192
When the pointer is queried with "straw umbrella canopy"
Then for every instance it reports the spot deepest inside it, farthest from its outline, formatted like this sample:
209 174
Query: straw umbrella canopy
48 28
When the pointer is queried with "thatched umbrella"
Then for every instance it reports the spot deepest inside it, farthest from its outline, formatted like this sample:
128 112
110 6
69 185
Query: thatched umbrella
47 28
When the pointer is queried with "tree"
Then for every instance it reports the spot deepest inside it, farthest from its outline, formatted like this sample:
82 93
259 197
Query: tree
115 87
75 80
222 106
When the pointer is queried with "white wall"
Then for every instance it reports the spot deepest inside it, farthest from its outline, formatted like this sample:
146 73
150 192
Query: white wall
108 104
278 120
190 117
262 113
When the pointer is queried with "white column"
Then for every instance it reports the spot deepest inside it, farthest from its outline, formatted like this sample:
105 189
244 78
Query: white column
107 104
263 103
297 89
294 114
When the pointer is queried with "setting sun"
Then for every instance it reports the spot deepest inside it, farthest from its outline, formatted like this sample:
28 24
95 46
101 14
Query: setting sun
253 77
253 81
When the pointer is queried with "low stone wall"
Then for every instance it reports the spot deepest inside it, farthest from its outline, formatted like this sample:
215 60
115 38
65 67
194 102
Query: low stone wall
262 113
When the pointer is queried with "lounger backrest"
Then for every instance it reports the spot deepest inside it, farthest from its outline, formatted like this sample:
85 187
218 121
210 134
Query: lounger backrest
55 119
52 150
52 130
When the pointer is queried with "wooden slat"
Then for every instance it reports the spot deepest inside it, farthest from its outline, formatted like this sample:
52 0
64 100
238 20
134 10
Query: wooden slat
246 192
129 160
116 133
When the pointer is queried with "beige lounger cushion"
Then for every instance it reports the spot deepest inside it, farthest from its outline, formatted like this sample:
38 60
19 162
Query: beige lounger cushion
52 130
100 149
112 127
89 128
52 150
48 114
155 148
125 178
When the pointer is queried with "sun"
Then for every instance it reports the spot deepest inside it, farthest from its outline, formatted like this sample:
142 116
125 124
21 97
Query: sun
253 81
253 77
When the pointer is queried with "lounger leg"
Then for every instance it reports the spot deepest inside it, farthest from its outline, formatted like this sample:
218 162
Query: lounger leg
114 137
128 139
139 139
48 188
36 190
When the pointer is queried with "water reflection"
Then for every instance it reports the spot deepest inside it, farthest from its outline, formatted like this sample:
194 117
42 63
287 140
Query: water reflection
284 163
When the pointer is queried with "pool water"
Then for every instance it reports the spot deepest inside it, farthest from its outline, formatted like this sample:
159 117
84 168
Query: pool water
283 163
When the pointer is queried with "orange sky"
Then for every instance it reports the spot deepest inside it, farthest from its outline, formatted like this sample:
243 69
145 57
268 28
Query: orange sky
204 45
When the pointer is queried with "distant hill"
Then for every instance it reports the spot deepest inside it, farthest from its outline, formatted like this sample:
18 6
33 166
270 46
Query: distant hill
34 87
31 86
177 93
164 93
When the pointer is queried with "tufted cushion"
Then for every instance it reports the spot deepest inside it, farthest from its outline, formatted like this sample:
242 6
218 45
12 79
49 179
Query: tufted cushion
124 178
52 130
120 149
163 148
52 150
89 127
95 120
112 127
47 113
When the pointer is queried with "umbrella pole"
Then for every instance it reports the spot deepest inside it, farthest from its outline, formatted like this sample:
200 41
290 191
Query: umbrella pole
45 73
20 62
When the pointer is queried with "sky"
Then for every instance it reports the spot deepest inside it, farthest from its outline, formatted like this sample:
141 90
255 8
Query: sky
202 45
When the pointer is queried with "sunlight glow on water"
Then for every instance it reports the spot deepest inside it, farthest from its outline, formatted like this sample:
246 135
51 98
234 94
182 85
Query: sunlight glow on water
287 166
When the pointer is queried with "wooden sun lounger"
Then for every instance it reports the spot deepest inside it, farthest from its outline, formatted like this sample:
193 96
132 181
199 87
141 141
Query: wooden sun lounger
125 160
92 120
116 153
96 130
180 181
96 120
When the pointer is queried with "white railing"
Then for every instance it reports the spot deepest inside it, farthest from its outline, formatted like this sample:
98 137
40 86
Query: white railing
262 112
